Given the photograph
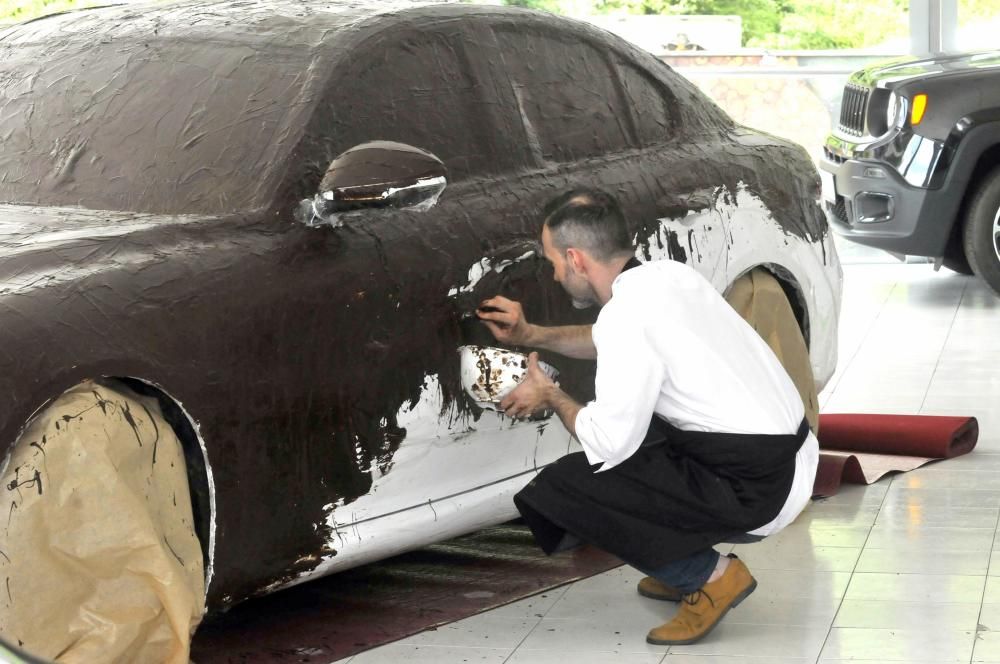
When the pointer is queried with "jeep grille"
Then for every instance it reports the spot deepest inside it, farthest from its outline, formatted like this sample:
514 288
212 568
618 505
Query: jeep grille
852 109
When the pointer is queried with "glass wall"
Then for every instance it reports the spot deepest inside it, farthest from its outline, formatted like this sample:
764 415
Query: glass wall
978 24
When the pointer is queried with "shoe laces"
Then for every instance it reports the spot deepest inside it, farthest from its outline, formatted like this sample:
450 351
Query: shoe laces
691 599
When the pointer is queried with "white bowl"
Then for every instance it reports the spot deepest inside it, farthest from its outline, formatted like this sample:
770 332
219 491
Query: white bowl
489 373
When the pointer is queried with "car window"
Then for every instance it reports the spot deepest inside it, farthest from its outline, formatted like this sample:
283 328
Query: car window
164 127
648 102
418 90
567 93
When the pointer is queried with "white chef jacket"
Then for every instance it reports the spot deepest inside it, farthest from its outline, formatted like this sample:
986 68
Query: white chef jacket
668 343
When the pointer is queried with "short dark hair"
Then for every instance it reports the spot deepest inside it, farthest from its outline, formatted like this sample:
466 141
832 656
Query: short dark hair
591 220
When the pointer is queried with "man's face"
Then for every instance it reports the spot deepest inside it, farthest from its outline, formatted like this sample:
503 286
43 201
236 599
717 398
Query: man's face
572 281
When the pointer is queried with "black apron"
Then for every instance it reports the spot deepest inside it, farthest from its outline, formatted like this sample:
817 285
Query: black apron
680 493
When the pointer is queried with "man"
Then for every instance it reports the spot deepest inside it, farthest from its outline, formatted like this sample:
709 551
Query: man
696 435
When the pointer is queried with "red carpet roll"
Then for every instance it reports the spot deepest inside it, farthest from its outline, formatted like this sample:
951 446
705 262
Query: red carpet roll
861 448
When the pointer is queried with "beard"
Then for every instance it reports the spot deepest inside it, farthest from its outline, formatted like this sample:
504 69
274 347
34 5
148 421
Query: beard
581 294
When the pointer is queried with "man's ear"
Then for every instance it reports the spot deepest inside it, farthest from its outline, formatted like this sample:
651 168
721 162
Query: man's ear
575 258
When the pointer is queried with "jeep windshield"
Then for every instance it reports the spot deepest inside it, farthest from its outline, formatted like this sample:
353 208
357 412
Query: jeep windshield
162 127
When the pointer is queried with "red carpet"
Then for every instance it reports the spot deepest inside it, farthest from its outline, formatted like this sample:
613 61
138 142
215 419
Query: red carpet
862 448
344 614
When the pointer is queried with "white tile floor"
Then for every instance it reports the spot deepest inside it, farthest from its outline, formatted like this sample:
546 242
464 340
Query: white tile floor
905 570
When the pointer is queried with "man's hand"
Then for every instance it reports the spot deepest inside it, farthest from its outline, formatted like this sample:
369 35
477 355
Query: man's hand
532 395
505 319
538 392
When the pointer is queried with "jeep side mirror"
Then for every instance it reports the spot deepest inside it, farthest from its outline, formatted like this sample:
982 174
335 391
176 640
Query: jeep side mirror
376 175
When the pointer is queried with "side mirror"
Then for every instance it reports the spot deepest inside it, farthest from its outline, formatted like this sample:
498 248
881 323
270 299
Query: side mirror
376 175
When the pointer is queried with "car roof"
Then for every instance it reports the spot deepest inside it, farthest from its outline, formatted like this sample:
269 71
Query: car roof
281 23
83 62
284 22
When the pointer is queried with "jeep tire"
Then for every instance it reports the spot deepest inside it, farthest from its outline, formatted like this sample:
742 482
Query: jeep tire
981 230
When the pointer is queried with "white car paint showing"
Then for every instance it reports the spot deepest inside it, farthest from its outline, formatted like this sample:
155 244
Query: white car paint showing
397 513
426 524
757 239
483 267
739 233
703 230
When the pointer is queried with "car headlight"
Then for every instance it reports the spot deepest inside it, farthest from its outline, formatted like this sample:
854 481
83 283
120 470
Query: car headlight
894 112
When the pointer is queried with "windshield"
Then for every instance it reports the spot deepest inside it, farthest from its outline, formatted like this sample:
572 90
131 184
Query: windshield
158 127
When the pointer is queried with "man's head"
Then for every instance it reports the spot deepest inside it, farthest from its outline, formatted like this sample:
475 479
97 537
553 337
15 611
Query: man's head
586 239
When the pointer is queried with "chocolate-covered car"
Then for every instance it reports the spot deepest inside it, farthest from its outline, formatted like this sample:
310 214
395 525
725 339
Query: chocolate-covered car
175 216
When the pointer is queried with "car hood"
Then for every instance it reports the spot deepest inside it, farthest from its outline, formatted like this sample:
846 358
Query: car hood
45 243
28 226
896 72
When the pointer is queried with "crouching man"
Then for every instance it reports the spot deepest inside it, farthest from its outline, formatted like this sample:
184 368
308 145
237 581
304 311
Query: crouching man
696 436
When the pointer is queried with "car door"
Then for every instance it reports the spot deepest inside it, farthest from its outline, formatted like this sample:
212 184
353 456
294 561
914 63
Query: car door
423 271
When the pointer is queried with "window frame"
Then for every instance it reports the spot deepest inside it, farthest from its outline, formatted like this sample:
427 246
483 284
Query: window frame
612 55
468 62
662 90
571 35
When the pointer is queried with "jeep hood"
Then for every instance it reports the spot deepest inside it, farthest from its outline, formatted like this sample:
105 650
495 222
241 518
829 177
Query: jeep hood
893 73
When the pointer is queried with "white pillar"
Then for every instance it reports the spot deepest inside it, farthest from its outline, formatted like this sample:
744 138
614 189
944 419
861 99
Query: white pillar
933 26
920 30
949 26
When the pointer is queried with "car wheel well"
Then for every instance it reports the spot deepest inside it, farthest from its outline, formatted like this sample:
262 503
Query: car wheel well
793 293
981 229
987 161
199 485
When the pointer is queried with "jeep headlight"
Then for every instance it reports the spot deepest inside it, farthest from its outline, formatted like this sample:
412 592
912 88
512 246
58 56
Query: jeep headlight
895 112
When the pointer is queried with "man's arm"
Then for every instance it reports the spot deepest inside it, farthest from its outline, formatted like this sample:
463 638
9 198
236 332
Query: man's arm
505 319
566 408
569 340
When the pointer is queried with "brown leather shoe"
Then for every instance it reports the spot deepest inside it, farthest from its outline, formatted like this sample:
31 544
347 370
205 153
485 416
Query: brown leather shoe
702 610
656 589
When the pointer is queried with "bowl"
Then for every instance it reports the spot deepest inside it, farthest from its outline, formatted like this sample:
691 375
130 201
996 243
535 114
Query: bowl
490 373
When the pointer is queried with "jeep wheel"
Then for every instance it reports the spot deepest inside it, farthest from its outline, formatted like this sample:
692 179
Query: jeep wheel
982 231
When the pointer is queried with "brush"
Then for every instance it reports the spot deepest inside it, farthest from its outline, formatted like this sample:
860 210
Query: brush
473 331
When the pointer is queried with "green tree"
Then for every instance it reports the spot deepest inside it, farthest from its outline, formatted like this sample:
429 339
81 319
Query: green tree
21 10
819 24
15 11
760 17
797 24
554 6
